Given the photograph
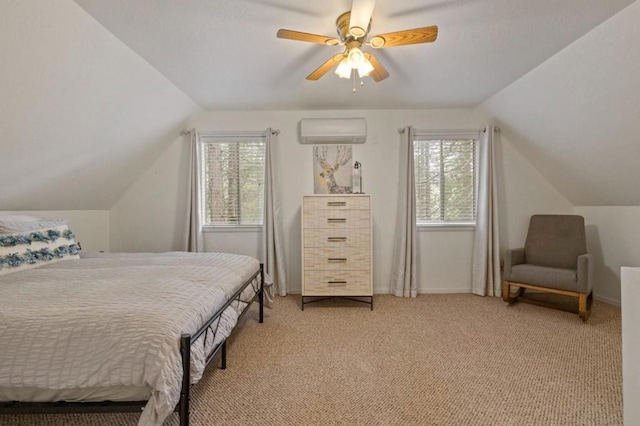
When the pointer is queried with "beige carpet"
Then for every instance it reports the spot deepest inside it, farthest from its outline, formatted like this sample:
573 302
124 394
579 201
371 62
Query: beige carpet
434 360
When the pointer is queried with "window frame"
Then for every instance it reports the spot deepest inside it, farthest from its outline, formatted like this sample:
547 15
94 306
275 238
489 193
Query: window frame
432 135
206 137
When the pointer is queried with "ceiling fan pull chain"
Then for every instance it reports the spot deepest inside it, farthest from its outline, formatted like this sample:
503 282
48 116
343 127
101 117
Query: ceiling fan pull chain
353 74
357 72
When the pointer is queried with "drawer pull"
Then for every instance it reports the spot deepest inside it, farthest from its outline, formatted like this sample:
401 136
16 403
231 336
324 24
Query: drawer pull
337 259
336 203
337 220
334 239
337 283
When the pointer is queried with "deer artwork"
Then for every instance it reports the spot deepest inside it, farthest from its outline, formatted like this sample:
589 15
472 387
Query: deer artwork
328 170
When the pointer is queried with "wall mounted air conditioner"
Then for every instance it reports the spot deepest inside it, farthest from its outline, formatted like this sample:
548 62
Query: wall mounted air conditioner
333 130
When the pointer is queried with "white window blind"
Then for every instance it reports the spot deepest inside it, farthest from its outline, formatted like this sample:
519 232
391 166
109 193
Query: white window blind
445 179
232 172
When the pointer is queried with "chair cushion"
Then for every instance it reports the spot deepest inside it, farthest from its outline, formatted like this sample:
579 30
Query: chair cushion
558 278
555 241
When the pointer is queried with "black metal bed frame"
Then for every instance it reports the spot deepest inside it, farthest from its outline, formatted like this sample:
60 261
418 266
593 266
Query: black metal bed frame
186 341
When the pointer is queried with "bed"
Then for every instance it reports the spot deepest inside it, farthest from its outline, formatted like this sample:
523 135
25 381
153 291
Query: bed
118 332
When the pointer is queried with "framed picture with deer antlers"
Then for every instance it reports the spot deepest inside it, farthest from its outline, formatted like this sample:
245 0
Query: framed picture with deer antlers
332 169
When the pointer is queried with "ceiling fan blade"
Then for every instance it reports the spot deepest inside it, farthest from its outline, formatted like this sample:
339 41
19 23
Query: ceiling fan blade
311 38
361 11
326 67
378 73
401 38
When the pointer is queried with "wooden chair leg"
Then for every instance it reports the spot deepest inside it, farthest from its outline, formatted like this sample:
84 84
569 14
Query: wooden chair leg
506 292
506 288
584 306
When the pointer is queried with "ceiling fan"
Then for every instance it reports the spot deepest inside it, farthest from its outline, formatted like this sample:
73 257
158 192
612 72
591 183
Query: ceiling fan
353 29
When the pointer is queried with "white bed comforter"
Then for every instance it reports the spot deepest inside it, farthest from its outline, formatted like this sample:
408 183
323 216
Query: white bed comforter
115 320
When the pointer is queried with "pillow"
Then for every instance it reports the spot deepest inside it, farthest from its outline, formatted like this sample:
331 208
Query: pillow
21 226
27 250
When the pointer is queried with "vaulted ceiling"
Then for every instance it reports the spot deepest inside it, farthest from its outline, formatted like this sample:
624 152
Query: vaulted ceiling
224 54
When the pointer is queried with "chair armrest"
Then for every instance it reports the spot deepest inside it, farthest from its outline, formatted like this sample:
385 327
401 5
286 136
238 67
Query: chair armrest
512 257
585 273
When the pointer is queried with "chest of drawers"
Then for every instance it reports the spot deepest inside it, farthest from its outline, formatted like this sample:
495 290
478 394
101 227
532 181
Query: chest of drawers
336 246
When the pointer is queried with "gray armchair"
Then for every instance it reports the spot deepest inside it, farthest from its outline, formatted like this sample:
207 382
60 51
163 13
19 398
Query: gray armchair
554 260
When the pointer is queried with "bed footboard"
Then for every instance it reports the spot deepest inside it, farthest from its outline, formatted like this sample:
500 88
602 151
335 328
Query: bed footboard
187 340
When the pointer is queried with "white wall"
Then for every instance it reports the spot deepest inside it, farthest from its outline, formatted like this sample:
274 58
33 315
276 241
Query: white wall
81 114
613 237
150 216
245 241
576 115
445 257
523 192
91 227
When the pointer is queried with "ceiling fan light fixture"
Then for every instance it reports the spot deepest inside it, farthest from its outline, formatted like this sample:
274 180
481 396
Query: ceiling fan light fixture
355 58
344 70
365 69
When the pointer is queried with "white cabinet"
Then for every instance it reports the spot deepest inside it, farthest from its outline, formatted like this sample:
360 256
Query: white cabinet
631 345
336 247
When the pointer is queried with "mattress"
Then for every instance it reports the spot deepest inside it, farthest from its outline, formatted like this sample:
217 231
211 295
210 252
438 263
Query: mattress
107 326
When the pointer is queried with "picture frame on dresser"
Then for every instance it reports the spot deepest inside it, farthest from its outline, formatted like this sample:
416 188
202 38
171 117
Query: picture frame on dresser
337 248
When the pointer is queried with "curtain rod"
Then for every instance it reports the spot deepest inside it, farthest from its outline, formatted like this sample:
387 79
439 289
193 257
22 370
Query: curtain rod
188 132
453 132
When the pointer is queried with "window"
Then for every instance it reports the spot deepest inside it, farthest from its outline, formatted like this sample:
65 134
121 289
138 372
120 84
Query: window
445 179
232 173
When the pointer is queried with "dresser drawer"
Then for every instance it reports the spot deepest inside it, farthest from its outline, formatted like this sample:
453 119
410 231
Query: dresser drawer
337 219
336 238
343 283
335 203
336 258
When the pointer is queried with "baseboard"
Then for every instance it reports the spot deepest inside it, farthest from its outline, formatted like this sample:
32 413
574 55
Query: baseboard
607 300
444 290
429 291
602 299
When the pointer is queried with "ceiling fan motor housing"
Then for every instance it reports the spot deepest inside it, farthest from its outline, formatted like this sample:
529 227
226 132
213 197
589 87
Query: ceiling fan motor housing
342 26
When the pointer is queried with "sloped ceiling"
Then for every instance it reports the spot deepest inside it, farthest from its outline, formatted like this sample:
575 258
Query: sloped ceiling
225 55
81 115
576 117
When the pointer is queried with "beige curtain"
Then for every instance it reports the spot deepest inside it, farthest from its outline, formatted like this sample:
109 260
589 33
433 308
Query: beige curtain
486 279
272 250
193 235
404 281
